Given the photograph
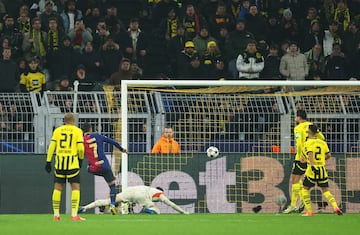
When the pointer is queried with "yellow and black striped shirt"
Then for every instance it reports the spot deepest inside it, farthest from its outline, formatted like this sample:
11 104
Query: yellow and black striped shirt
69 147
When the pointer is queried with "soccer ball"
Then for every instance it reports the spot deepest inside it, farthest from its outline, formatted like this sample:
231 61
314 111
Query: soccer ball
212 152
281 200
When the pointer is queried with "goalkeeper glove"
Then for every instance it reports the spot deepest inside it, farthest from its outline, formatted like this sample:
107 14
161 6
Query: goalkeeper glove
315 170
48 167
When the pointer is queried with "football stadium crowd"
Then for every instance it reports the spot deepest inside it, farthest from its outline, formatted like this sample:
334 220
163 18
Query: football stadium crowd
46 45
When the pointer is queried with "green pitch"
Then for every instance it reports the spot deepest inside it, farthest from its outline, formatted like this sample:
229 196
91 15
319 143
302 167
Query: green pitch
176 224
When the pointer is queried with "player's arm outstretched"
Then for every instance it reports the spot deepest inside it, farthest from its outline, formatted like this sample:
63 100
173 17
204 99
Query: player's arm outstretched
115 143
165 200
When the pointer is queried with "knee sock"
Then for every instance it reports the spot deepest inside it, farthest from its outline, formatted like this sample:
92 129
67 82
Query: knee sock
330 199
112 194
295 189
56 197
306 199
75 199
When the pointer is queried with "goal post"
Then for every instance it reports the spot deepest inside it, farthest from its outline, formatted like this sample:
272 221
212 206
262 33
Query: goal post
335 104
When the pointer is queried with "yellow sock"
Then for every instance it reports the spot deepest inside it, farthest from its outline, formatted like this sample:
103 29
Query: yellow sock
75 199
56 198
306 199
295 189
330 199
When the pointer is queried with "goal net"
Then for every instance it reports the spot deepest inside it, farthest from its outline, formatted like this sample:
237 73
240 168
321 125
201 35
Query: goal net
251 123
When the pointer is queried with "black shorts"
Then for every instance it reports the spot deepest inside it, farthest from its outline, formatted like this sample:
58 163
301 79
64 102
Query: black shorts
72 176
106 173
322 183
298 168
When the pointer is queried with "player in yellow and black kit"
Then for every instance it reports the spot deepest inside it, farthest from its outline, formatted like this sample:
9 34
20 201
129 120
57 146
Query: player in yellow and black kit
67 140
315 153
33 80
298 168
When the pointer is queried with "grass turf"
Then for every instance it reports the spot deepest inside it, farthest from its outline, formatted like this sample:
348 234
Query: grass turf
174 224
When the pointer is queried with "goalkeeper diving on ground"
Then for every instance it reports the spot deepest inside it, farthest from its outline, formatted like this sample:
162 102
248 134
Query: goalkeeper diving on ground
145 196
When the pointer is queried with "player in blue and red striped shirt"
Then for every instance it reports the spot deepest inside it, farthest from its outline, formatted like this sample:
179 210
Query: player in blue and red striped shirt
98 164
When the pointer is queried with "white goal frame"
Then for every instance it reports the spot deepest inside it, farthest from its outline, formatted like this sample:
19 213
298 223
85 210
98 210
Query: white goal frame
125 84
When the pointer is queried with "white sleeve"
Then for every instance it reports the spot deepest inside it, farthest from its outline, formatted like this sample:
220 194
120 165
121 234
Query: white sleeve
172 205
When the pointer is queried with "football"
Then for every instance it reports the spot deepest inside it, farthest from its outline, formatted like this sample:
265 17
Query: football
212 152
281 200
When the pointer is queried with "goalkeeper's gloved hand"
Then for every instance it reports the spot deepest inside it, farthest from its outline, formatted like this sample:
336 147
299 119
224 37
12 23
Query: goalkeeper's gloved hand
48 167
315 170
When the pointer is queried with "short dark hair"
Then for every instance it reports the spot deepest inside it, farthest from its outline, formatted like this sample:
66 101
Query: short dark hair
302 114
86 127
313 128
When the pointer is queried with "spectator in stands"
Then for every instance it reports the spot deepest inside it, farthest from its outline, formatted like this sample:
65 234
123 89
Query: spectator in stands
193 21
273 30
50 13
233 8
92 61
67 56
293 65
124 73
34 42
272 64
245 5
16 124
236 44
63 84
14 36
24 23
314 36
202 39
86 82
33 80
327 11
70 15
354 71
289 26
342 15
189 62
100 33
93 17
137 72
174 47
112 19
8 72
54 40
351 38
80 36
220 19
210 57
219 71
284 48
315 60
161 10
4 122
136 49
332 35
110 56
255 23
305 23
250 63
335 68
223 36
166 144
169 25
2 9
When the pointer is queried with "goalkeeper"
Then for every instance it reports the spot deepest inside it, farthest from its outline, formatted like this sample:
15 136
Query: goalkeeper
145 196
